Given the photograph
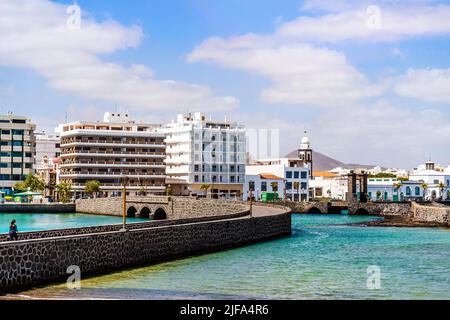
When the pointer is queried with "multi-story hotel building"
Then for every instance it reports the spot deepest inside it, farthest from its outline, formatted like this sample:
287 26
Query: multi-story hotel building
17 150
205 152
112 152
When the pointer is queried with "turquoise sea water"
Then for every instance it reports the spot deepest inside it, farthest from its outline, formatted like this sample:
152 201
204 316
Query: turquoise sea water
323 259
35 222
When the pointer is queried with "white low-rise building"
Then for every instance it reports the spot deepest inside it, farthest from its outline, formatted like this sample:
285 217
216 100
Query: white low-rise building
392 189
436 179
294 172
262 183
328 185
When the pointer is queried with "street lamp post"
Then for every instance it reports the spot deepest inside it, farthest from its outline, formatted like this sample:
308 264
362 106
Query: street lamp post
251 202
124 203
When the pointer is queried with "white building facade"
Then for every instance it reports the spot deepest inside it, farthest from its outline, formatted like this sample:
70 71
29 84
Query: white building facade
114 152
204 152
392 189
294 172
437 181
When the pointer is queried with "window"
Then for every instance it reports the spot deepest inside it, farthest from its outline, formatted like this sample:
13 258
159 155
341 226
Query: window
408 191
196 168
288 174
196 179
417 191
17 132
251 185
304 175
289 185
264 186
304 186
296 175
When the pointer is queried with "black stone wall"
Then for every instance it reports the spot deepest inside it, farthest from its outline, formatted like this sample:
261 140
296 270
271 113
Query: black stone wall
24 264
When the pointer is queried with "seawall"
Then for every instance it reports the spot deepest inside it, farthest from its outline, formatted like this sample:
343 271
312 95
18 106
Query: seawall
33 262
37 208
432 214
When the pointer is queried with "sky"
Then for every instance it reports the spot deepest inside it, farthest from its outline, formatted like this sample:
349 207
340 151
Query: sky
368 80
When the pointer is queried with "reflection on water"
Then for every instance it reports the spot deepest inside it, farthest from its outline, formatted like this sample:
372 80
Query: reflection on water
322 259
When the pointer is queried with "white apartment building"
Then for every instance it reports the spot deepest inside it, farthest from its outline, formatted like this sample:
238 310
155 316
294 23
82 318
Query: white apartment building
436 179
205 152
47 145
17 150
291 170
392 189
113 152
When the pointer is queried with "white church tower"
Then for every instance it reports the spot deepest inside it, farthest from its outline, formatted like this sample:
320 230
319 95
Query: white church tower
305 152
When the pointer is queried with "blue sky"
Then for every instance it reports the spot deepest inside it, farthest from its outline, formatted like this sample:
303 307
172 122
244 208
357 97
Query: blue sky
378 96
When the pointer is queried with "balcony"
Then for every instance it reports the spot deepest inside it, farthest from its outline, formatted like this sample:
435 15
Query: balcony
99 143
123 154
110 164
109 175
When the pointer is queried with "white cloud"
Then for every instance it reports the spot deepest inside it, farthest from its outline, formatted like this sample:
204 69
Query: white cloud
426 84
34 34
395 23
300 73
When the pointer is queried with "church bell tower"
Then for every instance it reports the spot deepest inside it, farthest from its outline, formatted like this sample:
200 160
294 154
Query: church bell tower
305 153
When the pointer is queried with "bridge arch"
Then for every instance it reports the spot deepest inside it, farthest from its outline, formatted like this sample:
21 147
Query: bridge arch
314 210
144 213
362 212
131 212
160 214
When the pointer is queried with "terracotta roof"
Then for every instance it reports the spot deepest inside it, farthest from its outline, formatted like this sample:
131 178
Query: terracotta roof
325 174
269 176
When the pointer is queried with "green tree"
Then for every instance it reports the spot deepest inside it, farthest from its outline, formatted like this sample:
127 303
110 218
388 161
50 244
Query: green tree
31 182
442 187
205 187
425 188
92 187
378 195
169 191
397 187
274 186
63 190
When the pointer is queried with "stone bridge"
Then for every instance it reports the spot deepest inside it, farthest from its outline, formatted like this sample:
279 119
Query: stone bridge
160 207
313 207
354 207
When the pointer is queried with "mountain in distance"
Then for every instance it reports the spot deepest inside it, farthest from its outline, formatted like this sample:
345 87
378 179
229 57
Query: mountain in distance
322 162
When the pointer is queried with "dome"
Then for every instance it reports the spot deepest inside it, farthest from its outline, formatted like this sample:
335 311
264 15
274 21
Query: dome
305 143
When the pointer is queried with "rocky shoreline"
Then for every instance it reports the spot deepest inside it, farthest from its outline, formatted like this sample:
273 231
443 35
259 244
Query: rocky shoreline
400 222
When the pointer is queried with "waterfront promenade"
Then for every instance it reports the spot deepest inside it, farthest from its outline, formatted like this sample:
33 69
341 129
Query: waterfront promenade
45 256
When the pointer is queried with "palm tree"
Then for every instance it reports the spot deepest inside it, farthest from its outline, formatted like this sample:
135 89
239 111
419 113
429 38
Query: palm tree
441 189
397 187
205 187
92 187
425 188
63 190
274 186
